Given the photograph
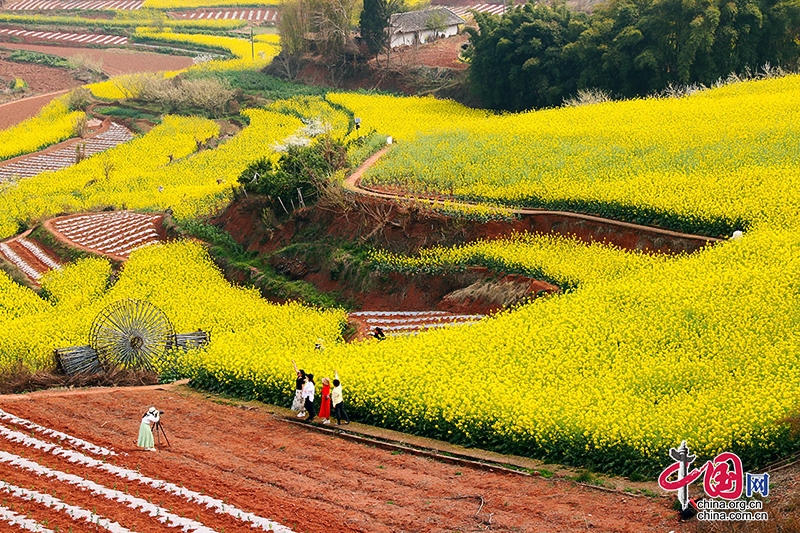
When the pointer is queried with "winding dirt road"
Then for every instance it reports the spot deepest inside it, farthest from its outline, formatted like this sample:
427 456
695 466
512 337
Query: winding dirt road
545 221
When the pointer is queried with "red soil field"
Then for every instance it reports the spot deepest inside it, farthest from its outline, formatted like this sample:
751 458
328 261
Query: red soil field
250 456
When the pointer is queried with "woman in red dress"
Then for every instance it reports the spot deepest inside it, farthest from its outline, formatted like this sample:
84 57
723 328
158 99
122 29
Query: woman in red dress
325 406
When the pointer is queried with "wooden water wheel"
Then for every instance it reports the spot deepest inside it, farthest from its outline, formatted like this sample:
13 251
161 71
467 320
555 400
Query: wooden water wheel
131 334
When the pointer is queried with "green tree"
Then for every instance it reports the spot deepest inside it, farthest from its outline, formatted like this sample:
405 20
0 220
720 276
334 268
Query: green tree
538 55
374 24
779 41
303 168
518 60
293 25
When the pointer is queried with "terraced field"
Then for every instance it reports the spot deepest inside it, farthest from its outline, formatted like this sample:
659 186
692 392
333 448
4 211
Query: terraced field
253 15
27 256
115 234
58 5
492 9
394 323
70 38
68 461
50 161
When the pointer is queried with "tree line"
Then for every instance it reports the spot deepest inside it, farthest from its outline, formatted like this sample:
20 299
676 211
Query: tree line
538 55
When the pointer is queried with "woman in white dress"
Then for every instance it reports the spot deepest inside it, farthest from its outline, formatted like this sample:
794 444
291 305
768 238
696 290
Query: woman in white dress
146 440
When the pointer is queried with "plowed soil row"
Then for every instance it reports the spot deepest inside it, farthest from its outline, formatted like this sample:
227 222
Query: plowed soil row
308 481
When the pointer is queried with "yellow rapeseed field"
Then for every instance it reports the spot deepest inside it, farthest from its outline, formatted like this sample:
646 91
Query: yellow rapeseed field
248 57
156 171
54 123
540 256
182 281
253 55
641 353
713 162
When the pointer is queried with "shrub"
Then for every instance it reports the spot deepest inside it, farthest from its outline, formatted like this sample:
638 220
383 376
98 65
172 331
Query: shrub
80 61
78 99
306 168
209 94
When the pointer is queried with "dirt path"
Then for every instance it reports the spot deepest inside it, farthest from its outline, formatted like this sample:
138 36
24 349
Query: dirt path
15 112
622 234
308 481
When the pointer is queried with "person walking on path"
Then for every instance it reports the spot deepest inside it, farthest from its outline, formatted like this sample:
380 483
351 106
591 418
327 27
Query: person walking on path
145 440
298 404
338 401
325 405
308 396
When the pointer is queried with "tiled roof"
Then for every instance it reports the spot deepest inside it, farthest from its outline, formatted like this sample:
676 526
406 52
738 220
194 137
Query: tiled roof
420 20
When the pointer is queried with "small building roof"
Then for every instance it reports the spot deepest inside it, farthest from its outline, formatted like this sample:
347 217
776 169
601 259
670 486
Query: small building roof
420 20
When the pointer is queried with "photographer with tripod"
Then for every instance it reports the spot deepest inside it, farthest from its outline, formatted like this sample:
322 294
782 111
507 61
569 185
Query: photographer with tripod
146 440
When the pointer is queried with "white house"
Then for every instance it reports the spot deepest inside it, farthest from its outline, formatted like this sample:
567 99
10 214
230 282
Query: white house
418 27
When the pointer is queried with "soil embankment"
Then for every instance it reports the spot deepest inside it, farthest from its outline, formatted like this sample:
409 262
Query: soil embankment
378 223
379 219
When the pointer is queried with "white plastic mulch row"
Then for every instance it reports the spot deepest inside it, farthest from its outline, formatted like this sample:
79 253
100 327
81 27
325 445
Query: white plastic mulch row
132 475
396 323
9 516
139 504
19 262
109 234
434 319
398 313
39 254
130 242
230 14
116 233
492 9
83 38
35 5
413 327
57 504
65 157
112 235
82 225
74 441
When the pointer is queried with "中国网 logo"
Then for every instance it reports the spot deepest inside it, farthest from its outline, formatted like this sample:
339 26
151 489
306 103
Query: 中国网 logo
724 482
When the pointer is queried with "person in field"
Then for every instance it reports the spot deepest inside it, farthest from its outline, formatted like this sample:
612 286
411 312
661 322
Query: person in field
308 396
325 405
338 401
298 403
146 440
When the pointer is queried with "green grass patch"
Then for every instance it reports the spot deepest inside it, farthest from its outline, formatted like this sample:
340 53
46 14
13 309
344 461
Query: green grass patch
39 58
255 82
126 112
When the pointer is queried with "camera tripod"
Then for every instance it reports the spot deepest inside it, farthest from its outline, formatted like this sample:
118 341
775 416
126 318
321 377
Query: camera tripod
158 430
